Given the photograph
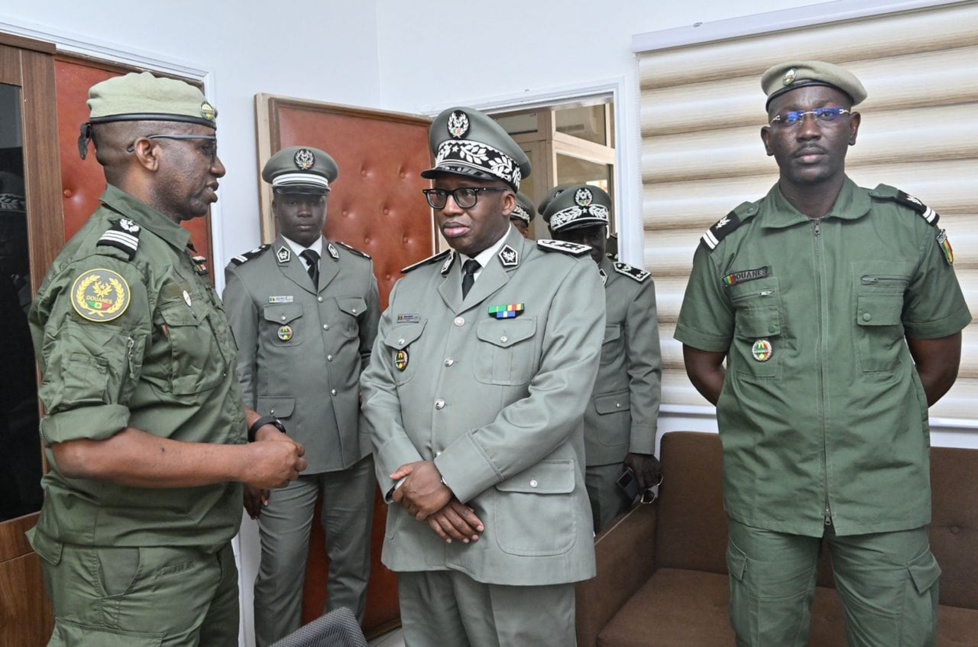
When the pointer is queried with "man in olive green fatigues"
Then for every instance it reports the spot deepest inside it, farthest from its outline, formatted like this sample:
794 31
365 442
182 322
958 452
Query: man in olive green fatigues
301 348
144 429
620 420
839 316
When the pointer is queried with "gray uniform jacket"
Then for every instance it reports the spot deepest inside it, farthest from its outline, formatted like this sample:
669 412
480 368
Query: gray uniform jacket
300 354
498 404
621 417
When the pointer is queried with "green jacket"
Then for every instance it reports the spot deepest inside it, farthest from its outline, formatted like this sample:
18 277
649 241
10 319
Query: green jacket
621 416
497 402
822 414
301 350
129 333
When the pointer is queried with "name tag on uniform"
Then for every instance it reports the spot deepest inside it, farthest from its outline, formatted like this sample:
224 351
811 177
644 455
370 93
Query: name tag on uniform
408 318
285 299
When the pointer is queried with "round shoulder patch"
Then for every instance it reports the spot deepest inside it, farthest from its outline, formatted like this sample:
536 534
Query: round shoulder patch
100 295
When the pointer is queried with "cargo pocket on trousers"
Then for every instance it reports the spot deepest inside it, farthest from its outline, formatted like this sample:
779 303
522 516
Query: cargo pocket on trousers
72 633
739 604
919 614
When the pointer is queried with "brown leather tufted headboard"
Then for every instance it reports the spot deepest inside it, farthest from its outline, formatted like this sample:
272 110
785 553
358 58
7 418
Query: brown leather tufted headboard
82 180
376 203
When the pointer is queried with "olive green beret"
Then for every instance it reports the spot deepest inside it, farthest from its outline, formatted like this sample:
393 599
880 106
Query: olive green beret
524 209
579 205
785 77
467 142
144 97
300 169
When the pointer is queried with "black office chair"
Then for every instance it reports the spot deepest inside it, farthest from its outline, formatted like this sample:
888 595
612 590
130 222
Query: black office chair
338 628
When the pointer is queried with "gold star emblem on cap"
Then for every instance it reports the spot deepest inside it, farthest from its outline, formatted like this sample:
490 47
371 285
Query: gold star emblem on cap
789 77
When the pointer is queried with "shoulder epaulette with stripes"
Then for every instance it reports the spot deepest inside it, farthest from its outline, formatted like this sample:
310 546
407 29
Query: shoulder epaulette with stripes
352 250
428 261
720 229
123 235
247 256
563 246
631 272
885 192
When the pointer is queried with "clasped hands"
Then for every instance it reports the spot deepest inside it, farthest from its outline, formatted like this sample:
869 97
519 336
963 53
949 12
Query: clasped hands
426 498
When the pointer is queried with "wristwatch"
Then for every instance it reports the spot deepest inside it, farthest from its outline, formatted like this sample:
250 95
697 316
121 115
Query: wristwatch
261 422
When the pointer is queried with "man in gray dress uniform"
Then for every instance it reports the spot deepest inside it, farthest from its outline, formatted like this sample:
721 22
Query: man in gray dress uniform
620 420
304 312
474 398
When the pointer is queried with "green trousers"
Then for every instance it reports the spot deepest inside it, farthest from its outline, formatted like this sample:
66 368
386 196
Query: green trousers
887 582
140 597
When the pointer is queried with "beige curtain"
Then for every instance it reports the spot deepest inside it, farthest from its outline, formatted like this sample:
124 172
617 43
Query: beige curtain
701 113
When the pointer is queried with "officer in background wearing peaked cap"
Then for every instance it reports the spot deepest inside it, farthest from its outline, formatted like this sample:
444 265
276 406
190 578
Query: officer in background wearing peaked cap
620 419
823 320
523 214
304 312
145 430
488 516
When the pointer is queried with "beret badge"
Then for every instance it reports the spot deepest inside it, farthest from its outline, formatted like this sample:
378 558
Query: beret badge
207 111
458 124
789 77
583 197
304 159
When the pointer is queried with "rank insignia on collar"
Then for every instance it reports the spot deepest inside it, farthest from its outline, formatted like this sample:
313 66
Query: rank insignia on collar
509 257
100 295
448 263
400 359
604 276
510 311
332 252
200 264
283 254
945 246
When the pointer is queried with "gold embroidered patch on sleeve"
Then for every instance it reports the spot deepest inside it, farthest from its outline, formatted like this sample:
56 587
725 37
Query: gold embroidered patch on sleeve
100 295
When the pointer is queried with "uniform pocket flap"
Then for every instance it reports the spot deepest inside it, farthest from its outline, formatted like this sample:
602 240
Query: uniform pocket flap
546 477
754 323
612 403
282 313
404 335
736 561
924 571
352 305
177 313
611 333
280 407
506 332
72 633
48 549
879 309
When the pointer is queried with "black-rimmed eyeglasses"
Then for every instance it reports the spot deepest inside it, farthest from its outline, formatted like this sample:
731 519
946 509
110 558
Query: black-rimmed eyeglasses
465 197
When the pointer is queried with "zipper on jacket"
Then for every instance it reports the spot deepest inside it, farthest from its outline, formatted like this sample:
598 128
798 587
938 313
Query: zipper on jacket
816 244
885 280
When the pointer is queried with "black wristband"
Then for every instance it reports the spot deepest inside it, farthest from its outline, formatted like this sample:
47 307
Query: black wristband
261 422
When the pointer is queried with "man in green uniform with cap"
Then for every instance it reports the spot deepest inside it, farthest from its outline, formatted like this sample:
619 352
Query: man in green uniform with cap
620 419
474 398
304 313
839 316
145 429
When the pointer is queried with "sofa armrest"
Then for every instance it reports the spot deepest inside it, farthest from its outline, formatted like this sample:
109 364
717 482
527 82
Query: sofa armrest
625 553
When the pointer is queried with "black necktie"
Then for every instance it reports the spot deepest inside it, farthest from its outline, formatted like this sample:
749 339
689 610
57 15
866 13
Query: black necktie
469 268
313 259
